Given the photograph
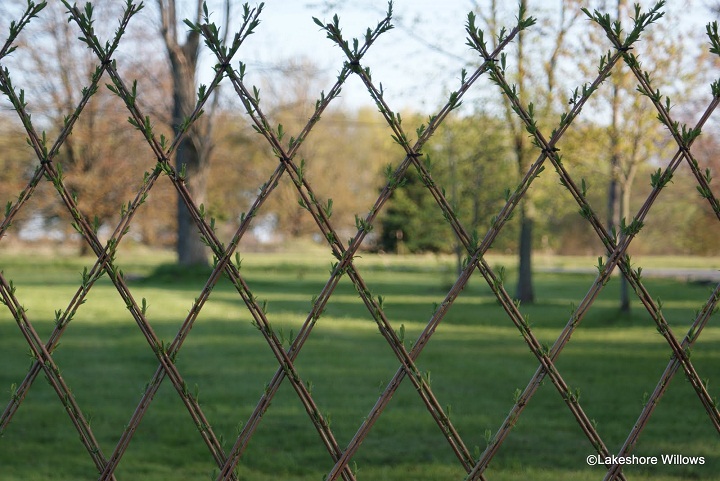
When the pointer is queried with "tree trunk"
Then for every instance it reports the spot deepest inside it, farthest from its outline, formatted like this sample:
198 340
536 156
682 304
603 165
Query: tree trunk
616 205
192 155
190 248
618 192
525 292
625 190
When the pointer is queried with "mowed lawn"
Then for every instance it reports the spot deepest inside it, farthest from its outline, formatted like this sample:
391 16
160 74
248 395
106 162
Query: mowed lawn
476 360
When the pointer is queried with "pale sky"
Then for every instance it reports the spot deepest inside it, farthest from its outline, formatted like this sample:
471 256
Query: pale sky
411 74
415 75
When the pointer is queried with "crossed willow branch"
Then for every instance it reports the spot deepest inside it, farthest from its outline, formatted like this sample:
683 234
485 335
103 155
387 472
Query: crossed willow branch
89 233
40 352
616 250
494 65
412 155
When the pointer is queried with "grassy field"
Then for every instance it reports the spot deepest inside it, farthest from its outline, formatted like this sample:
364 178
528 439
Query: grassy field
477 360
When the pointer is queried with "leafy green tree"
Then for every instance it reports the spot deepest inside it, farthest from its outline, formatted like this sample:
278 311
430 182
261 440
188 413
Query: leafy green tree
195 149
634 138
412 221
537 58
341 158
102 160
466 157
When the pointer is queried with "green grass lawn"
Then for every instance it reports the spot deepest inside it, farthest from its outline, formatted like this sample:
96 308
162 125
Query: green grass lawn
477 360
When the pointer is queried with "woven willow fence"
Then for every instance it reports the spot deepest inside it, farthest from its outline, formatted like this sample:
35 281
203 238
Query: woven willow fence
491 64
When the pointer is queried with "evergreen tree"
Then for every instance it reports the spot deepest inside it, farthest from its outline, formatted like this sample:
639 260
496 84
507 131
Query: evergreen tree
413 222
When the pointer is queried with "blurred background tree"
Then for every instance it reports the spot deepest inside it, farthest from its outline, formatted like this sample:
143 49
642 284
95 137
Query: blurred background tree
475 156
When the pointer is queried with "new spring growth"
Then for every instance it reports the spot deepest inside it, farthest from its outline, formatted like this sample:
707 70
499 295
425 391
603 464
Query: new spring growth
583 188
488 437
705 193
631 229
328 208
658 181
401 334
389 174
575 396
426 376
58 317
516 395
15 27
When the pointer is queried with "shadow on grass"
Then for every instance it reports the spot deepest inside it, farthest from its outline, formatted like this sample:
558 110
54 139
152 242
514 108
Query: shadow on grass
169 274
476 366
476 373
